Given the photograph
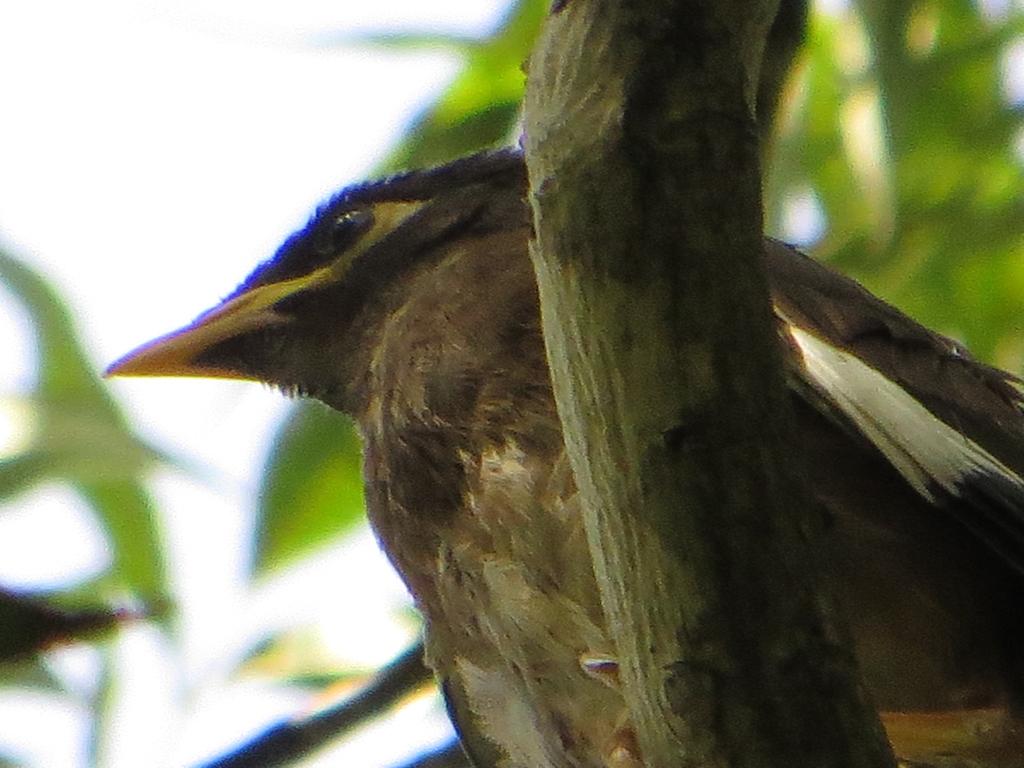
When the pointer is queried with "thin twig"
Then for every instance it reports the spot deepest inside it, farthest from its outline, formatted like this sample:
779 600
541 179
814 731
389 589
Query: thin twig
290 740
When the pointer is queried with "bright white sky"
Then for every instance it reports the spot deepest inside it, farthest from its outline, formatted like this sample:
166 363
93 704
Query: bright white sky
151 153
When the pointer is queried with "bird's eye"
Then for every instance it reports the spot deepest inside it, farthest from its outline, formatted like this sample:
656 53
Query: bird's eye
349 227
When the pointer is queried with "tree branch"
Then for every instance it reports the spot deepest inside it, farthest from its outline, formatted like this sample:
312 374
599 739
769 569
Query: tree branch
451 755
643 158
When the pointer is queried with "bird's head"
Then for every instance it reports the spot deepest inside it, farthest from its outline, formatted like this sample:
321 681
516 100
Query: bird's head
305 320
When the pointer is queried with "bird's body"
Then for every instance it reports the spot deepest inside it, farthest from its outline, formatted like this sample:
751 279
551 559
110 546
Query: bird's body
427 331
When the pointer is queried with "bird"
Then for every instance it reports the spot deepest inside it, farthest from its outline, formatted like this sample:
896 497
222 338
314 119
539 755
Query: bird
410 304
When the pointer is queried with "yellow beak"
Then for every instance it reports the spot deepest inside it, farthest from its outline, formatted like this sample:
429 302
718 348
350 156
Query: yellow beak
176 354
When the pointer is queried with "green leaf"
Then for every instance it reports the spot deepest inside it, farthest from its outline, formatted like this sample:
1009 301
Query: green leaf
312 489
30 672
80 436
129 516
62 441
404 41
64 370
298 657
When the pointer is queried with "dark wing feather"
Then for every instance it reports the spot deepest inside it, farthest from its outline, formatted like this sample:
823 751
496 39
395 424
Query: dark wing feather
952 426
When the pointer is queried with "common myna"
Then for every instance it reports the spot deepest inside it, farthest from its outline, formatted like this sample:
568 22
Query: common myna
411 305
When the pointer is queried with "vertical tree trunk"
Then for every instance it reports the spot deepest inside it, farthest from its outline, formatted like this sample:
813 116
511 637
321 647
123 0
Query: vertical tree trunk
643 157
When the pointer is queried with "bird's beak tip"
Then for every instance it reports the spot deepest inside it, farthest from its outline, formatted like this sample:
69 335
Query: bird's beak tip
161 357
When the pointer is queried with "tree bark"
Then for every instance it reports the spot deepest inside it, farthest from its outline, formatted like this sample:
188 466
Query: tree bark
643 158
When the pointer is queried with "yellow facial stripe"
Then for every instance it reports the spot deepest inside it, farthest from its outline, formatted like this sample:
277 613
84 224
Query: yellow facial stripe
387 217
176 353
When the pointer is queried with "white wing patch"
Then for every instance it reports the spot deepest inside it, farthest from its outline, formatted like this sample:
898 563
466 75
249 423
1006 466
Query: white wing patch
507 719
923 448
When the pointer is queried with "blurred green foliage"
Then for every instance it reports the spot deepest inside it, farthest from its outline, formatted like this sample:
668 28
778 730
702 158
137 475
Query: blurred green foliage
896 127
80 436
308 495
897 121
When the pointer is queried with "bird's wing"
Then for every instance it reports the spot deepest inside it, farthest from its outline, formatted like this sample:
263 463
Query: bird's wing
480 751
953 427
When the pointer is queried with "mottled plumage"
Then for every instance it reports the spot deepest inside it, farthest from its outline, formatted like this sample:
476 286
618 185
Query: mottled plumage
411 305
